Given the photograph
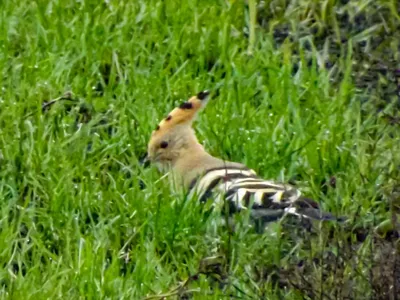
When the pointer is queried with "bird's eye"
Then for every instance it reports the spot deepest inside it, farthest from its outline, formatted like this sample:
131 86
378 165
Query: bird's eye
164 144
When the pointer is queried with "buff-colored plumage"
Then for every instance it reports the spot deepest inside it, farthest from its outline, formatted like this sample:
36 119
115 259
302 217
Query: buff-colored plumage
183 154
174 148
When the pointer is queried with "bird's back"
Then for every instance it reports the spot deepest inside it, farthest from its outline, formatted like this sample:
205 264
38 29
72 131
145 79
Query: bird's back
242 189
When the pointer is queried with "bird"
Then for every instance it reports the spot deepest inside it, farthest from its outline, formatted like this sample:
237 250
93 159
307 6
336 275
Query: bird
174 149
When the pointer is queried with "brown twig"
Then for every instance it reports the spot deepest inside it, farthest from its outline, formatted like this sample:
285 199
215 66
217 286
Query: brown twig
68 96
176 291
179 289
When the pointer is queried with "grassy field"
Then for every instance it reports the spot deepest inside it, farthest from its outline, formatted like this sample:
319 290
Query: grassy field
303 91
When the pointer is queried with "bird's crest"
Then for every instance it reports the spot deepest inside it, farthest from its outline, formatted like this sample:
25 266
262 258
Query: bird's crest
184 114
174 138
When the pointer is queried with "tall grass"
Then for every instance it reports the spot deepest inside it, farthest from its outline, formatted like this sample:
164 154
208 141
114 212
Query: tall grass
80 218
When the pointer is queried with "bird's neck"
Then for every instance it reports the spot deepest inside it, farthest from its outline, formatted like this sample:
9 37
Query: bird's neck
192 163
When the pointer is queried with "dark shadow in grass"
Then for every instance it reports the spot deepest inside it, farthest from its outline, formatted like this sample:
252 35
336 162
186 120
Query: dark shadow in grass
372 33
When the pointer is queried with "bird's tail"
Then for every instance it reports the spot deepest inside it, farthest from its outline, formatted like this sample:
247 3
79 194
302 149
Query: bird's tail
304 208
313 214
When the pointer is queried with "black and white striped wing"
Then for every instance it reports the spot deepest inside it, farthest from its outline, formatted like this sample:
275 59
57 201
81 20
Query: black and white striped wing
242 189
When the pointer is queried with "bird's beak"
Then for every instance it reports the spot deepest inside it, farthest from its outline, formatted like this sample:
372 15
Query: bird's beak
144 161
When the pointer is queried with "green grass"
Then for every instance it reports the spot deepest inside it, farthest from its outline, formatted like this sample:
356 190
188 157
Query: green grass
74 219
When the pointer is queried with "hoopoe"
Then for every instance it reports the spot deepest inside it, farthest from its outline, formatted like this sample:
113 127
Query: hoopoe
174 148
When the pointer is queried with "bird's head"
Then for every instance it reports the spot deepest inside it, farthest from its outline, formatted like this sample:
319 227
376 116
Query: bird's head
174 138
